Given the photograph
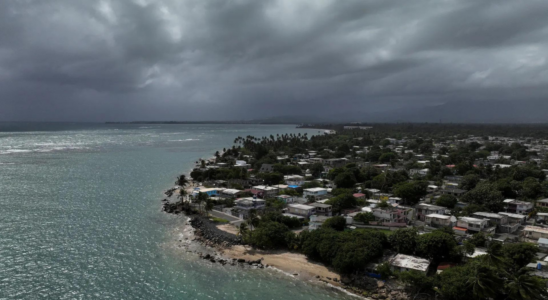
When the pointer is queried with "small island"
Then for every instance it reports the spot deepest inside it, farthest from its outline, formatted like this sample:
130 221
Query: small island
385 211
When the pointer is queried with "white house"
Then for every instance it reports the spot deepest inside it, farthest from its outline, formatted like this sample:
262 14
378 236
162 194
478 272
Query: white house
314 192
473 224
301 210
316 222
436 220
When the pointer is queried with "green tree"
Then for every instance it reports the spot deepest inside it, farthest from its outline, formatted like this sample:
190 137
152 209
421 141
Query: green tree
338 223
469 181
182 181
404 240
345 180
521 285
411 192
342 202
448 201
270 235
316 169
520 254
485 194
416 281
436 245
365 217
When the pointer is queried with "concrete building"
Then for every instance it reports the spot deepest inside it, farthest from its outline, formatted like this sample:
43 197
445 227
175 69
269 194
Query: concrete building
301 210
436 220
518 207
316 222
322 209
535 232
425 209
244 205
315 193
264 192
473 224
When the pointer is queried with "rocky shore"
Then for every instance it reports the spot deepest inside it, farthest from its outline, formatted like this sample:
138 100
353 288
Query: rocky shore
227 249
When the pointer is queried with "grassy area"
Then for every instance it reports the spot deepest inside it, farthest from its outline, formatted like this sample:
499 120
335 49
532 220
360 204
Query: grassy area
219 220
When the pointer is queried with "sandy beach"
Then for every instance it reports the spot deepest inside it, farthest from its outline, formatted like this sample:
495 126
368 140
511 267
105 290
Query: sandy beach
291 263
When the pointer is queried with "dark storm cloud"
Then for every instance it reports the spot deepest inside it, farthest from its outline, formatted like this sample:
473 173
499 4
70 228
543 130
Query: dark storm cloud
244 59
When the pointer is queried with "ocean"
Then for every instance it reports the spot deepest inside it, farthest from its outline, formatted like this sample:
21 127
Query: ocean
80 215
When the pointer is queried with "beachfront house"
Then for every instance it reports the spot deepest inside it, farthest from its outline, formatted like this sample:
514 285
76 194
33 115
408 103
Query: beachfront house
301 210
315 193
403 263
243 206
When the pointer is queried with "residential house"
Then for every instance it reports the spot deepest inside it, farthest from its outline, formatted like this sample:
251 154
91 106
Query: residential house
211 192
322 208
472 225
297 180
542 203
424 209
437 220
448 190
515 218
301 210
244 205
316 222
315 193
518 207
498 220
336 162
535 232
418 172
266 168
286 198
402 263
230 193
393 216
264 192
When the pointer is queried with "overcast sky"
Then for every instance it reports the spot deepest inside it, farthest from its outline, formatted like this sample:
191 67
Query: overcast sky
70 60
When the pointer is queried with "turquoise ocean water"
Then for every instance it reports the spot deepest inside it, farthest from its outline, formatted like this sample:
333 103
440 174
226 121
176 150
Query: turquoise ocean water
80 215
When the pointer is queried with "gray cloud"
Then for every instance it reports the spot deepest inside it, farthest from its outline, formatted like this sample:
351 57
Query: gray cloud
243 59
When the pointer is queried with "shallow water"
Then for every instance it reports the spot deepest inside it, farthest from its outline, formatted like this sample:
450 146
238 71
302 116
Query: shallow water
80 215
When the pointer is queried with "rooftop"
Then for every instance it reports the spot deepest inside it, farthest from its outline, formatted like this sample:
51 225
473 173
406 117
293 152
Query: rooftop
317 189
301 206
488 215
322 205
536 229
410 262
438 216
511 215
471 220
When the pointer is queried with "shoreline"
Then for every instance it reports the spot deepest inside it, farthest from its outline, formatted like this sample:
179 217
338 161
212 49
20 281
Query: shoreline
291 264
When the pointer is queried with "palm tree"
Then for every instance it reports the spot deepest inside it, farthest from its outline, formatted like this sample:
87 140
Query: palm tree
252 220
182 181
523 286
208 205
243 229
484 282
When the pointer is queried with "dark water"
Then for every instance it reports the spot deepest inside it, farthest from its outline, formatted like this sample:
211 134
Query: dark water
80 215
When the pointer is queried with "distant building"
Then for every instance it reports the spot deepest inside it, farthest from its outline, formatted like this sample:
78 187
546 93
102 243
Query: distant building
315 193
266 168
322 209
518 207
316 222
